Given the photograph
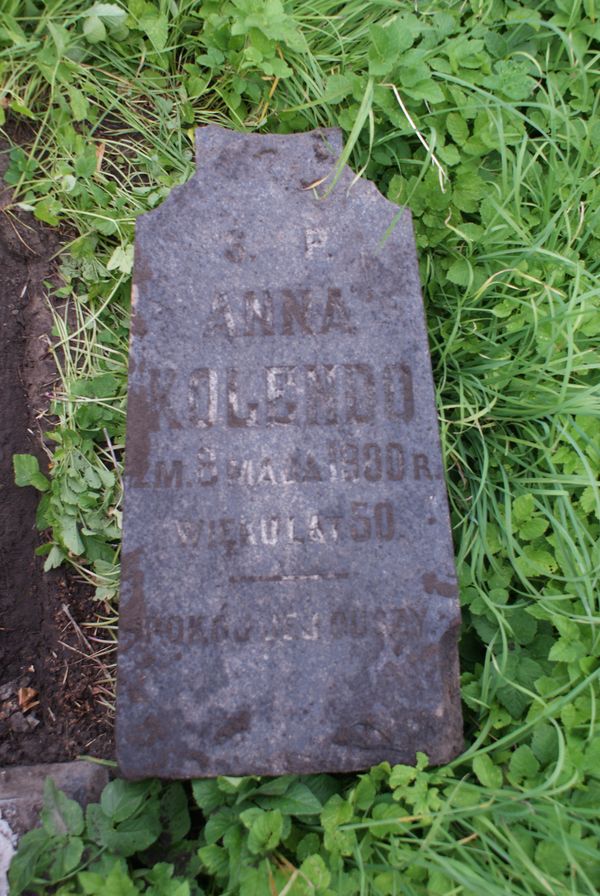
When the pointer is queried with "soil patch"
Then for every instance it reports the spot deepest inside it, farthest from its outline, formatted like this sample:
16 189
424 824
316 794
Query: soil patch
50 688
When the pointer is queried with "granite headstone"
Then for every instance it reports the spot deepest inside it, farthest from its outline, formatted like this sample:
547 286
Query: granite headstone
289 598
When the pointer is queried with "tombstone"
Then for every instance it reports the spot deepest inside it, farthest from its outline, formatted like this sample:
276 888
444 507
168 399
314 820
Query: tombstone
289 600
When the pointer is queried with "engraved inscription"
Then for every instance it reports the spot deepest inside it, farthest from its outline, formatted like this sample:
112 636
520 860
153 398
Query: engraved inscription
360 521
323 394
287 553
403 625
288 311
335 462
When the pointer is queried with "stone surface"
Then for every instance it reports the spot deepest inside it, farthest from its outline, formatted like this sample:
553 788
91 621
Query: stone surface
22 789
289 594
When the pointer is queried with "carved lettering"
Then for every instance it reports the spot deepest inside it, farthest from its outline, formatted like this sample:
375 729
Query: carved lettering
290 311
402 625
360 393
361 521
321 395
258 314
207 467
394 462
336 316
344 462
398 392
162 381
202 397
234 416
220 321
168 475
281 391
421 467
295 313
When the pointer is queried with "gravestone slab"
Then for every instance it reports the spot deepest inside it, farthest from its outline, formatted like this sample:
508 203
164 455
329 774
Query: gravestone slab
289 598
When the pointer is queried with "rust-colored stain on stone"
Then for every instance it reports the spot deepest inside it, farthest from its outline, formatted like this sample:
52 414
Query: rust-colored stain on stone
289 598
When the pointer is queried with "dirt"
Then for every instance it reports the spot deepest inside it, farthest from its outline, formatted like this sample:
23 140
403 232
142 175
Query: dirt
51 687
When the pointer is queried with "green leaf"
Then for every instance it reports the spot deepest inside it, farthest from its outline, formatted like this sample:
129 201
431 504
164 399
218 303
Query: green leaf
425 90
336 811
21 109
523 764
215 859
118 883
69 533
265 829
109 11
27 472
156 28
60 36
134 834
468 189
60 815
590 500
401 775
487 773
297 800
121 799
104 385
544 743
451 156
85 163
364 792
533 528
121 259
28 860
523 507
510 78
91 882
550 856
278 68
522 625
219 823
537 561
337 88
567 651
79 104
94 30
315 870
47 210
174 811
66 857
386 45
54 559
207 795
457 128
460 272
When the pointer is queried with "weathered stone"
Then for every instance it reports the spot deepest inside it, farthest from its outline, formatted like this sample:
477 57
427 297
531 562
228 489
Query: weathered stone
22 797
22 789
289 595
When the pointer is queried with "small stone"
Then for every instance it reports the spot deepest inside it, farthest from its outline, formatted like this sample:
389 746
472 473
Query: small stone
289 599
18 723
9 689
22 788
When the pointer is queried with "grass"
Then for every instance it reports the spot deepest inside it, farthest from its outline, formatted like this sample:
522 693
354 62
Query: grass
483 119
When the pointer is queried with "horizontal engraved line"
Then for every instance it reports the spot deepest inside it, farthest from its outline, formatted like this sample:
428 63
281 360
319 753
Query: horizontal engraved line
297 577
